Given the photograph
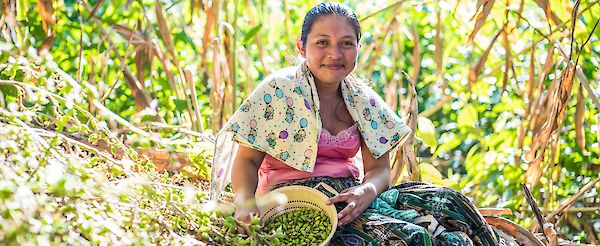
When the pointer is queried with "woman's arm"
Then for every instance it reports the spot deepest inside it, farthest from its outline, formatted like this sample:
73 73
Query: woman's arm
375 181
244 180
377 171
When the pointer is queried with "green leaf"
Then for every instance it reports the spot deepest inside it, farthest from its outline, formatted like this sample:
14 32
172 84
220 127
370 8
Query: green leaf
251 33
73 128
426 131
115 171
429 173
180 104
62 122
93 138
467 116
447 145
9 91
22 10
59 188
4 57
474 157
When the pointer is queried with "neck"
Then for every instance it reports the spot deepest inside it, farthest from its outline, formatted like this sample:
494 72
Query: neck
328 91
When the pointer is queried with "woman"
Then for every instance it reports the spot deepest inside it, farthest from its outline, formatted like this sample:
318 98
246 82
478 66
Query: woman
303 125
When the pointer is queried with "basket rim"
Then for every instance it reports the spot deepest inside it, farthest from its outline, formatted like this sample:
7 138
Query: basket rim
292 188
313 191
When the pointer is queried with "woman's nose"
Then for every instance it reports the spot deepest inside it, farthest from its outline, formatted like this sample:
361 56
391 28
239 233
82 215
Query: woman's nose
335 52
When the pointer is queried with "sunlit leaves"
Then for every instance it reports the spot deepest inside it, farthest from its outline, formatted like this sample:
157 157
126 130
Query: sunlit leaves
430 174
426 131
448 142
467 117
65 194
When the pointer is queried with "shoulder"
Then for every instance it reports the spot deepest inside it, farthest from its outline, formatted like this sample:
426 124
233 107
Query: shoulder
360 87
280 82
280 77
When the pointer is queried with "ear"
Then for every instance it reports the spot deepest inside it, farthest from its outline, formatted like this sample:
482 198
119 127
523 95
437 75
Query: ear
300 48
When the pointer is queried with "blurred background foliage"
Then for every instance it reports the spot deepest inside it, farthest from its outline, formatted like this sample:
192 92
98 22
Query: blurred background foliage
495 106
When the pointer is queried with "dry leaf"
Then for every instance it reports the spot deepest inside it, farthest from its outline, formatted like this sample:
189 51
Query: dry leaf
46 11
136 37
579 112
140 96
538 111
439 45
475 71
95 8
413 166
216 95
534 171
545 5
531 82
416 56
211 9
485 11
165 32
406 156
560 96
477 6
565 89
494 211
156 50
140 59
46 45
397 166
507 58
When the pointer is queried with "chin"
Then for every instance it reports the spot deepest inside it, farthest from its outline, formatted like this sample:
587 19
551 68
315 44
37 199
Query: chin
333 79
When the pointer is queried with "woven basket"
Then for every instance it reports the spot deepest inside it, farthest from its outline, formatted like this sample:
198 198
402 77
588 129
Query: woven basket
289 198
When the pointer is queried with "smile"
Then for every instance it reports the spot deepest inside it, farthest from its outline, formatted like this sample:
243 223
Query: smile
333 66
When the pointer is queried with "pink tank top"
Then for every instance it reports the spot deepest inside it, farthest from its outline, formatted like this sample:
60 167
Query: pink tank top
334 159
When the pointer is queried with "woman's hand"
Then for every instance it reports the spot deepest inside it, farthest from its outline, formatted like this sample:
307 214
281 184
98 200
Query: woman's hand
244 180
244 215
358 198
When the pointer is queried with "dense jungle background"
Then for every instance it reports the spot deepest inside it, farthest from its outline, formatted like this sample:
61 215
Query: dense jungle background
108 109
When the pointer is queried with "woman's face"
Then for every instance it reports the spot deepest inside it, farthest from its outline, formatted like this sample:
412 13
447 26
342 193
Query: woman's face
330 49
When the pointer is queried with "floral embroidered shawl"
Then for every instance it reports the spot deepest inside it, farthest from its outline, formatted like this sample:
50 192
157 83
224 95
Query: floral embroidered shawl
281 118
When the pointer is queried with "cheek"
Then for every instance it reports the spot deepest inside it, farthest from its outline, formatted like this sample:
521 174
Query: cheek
351 55
316 55
314 58
351 58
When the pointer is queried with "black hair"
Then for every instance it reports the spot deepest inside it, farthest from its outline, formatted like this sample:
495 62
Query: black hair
325 9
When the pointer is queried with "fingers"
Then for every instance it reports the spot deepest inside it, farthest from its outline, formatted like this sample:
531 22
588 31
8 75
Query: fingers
245 217
348 214
342 197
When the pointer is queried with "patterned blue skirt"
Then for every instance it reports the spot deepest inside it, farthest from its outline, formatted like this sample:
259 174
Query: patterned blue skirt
412 213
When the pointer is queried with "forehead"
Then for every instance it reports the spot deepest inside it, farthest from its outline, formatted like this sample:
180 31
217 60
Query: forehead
333 26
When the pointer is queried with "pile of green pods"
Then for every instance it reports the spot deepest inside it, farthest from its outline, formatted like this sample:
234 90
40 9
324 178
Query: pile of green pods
303 226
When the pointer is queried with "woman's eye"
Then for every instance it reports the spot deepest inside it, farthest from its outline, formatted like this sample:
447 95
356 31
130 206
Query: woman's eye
322 42
347 43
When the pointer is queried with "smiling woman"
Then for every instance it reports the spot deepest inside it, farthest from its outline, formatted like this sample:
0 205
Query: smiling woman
303 125
332 50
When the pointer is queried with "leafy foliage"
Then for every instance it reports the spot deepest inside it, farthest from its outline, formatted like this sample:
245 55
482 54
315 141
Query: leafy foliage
57 188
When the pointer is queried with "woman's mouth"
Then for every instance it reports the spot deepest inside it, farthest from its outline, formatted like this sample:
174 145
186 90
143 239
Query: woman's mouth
333 66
